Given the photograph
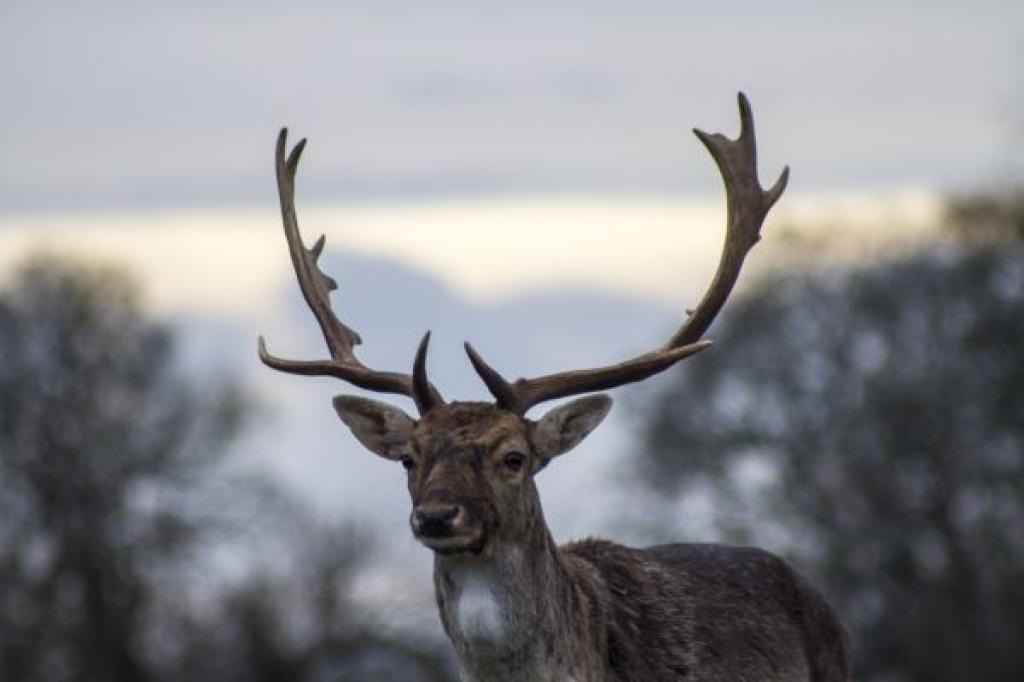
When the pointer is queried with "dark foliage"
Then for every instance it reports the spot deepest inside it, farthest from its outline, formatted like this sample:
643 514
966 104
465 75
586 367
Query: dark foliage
983 217
100 440
111 501
870 424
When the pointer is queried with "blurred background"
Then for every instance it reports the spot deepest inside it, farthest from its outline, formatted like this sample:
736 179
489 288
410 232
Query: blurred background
524 177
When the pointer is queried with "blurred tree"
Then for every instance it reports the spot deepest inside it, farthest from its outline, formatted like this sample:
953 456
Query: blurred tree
294 617
109 505
986 216
870 424
101 441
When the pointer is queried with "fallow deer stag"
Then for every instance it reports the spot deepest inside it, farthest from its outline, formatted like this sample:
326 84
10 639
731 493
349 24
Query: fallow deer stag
515 605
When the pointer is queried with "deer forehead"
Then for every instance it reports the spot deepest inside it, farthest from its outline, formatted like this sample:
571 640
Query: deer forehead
456 426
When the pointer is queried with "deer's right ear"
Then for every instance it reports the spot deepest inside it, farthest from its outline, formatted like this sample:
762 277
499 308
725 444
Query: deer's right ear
383 429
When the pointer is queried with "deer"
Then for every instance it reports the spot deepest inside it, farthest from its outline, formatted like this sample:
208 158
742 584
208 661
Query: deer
514 604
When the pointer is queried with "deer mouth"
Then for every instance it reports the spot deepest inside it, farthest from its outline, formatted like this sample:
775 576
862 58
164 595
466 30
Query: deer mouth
452 543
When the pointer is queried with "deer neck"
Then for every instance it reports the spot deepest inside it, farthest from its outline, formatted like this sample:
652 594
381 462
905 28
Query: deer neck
515 611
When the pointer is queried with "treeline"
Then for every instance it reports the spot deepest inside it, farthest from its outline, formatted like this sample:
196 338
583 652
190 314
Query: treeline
115 505
869 424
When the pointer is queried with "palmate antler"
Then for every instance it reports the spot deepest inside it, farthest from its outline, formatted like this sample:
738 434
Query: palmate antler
747 205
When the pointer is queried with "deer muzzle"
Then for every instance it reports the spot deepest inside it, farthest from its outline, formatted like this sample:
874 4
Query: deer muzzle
445 526
437 519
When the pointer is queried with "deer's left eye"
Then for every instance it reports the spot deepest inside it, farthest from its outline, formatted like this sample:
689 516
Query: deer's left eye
514 460
407 462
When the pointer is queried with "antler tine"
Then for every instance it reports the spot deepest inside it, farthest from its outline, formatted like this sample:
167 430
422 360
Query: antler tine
316 288
747 206
425 395
505 394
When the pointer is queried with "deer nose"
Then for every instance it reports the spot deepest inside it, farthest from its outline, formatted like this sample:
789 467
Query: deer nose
435 518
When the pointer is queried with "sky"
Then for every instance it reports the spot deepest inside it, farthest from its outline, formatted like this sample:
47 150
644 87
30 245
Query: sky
522 175
110 104
504 148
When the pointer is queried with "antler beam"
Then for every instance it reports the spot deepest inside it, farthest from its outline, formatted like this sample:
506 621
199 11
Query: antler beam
316 288
747 206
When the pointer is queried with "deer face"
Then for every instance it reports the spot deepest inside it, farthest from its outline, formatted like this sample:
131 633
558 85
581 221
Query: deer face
471 465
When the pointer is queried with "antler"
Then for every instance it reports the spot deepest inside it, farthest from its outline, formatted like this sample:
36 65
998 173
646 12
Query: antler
316 288
747 206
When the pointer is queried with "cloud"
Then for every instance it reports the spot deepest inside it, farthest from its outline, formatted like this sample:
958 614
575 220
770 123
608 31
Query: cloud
176 104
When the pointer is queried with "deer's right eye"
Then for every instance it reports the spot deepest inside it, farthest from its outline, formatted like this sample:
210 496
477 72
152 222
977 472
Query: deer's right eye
407 462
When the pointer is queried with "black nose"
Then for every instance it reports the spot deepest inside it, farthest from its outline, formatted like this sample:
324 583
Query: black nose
434 518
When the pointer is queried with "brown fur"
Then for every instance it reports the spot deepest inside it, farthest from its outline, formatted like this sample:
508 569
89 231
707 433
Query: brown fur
594 610
518 608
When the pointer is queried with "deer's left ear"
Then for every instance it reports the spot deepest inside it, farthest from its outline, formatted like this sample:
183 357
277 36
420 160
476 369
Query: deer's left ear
561 429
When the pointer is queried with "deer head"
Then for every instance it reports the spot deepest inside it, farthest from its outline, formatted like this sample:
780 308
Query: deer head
471 464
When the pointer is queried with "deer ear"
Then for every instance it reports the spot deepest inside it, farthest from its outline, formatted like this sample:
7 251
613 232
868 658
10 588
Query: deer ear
383 429
561 429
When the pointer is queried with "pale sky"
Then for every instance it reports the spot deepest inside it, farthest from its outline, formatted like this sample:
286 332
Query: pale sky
112 103
234 262
500 147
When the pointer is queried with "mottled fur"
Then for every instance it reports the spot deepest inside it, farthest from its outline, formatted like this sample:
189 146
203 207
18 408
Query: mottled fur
518 608
597 611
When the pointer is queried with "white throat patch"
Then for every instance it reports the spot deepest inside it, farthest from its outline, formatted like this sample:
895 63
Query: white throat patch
478 611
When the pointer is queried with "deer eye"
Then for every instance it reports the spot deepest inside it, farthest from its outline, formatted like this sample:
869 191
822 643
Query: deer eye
514 460
407 462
